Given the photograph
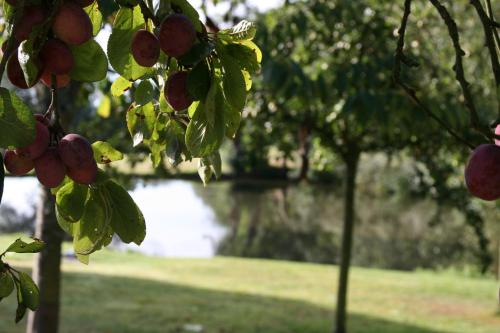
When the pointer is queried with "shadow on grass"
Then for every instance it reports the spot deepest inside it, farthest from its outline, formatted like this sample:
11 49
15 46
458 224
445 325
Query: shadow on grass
106 304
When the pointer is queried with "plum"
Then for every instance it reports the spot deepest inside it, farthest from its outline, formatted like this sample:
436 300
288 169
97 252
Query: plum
497 132
84 174
57 57
17 164
145 48
15 72
39 145
41 118
177 35
61 80
482 174
176 91
71 24
50 169
75 151
32 16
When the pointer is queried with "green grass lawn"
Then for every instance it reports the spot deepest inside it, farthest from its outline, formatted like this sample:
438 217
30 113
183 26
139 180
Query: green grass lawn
126 292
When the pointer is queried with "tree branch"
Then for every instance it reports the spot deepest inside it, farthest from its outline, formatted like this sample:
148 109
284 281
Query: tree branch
459 69
491 44
399 60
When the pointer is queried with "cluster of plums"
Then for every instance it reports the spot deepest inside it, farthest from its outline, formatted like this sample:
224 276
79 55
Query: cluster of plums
70 26
482 174
72 156
176 37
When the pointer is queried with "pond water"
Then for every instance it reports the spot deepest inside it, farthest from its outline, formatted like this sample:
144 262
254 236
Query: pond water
283 221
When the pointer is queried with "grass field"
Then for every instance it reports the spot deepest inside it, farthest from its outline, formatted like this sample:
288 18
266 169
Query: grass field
126 292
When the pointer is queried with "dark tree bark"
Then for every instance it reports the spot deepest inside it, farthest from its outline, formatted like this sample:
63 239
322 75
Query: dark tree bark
304 148
47 267
351 161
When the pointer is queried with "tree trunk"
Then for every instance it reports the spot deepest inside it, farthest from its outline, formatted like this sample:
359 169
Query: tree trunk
46 268
305 147
351 161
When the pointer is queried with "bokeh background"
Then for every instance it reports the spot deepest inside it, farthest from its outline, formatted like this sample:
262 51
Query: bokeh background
257 251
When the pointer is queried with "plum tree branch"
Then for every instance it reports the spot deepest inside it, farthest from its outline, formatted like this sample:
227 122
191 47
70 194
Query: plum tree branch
459 69
491 44
400 58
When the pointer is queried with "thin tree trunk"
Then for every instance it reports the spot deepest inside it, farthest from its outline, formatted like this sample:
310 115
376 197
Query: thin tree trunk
351 162
305 147
46 268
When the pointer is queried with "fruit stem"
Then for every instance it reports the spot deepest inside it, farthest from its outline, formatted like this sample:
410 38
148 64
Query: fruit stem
148 14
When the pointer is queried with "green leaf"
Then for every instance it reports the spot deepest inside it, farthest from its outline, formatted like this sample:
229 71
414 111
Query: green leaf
127 22
141 122
64 224
232 117
120 86
104 153
233 81
17 124
95 16
216 163
29 291
83 258
246 58
244 30
6 284
205 172
91 64
104 108
201 138
251 45
144 93
92 229
70 201
20 246
27 58
210 104
197 53
198 81
127 219
189 11
20 312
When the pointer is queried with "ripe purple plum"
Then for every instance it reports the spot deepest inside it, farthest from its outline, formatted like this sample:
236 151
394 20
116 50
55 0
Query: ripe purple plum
16 164
71 24
497 132
57 57
61 80
84 174
50 169
176 91
15 72
145 48
32 16
177 35
39 145
482 174
75 151
40 118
